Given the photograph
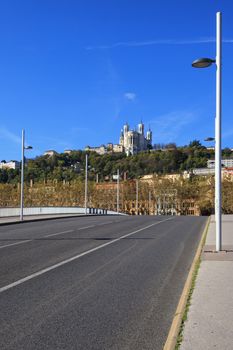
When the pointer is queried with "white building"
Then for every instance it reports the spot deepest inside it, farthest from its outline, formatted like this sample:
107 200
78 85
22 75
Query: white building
203 171
135 141
13 164
50 153
100 150
227 163
131 142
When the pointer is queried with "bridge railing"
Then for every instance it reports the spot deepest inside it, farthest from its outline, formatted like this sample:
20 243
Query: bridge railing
4 212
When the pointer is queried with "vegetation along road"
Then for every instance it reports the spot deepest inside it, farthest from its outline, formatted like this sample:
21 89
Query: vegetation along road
95 282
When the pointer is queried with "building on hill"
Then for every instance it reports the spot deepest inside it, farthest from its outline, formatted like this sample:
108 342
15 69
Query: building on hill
227 169
100 150
50 153
131 142
225 163
13 164
135 141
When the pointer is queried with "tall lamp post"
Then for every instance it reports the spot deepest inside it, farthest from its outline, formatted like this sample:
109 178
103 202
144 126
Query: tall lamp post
118 190
22 175
137 197
86 170
203 63
149 202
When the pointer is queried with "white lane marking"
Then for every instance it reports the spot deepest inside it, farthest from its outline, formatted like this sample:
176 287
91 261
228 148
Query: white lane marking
105 223
9 245
31 240
55 234
83 228
50 235
64 262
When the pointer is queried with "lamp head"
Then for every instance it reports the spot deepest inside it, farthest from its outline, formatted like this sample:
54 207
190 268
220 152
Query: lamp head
202 62
209 139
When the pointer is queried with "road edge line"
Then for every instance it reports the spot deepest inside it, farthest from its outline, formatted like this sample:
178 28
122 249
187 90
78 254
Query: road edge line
180 310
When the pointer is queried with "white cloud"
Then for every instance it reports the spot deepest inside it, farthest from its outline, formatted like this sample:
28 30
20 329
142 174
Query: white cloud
8 135
170 126
158 42
130 96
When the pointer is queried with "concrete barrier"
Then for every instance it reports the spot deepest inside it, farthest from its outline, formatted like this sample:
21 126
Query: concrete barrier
4 212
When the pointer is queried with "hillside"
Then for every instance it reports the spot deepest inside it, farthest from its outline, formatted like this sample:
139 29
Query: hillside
71 166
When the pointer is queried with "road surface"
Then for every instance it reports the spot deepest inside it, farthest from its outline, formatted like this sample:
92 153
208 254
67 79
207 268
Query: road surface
93 283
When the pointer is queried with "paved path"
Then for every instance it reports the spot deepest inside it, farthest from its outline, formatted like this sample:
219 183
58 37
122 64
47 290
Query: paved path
93 283
210 319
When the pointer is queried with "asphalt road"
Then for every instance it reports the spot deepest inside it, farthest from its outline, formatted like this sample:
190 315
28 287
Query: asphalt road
93 283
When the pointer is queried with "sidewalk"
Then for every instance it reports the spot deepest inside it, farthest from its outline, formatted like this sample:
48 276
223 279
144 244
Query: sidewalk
210 318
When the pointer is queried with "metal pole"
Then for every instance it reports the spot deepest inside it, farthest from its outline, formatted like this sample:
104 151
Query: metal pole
136 197
22 178
149 200
86 184
218 148
118 183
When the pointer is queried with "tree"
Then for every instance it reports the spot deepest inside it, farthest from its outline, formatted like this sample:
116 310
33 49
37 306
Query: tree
195 144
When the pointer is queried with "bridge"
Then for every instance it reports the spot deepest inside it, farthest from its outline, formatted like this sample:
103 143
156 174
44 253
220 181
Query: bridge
9 211
93 282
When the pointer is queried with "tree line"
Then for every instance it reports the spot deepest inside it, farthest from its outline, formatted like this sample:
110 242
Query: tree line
184 195
163 159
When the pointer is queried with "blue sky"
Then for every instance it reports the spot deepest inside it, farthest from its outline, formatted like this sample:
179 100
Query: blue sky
73 72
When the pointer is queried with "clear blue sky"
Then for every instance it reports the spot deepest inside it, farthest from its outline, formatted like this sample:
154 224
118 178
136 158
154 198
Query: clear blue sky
73 72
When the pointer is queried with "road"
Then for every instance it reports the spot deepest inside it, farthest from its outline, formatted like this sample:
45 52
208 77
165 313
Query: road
93 283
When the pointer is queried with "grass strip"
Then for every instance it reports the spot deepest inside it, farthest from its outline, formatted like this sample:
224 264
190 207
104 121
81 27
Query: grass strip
192 287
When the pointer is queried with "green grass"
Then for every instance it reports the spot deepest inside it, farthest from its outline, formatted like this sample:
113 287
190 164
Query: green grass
194 278
185 316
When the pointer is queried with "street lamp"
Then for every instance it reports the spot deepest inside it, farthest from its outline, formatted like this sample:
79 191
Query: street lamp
86 170
149 202
209 139
118 190
137 197
203 63
22 174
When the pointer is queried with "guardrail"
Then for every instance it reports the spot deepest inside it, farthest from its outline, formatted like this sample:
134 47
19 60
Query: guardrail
4 212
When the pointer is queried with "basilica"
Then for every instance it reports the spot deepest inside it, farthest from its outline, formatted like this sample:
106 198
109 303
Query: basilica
131 142
134 141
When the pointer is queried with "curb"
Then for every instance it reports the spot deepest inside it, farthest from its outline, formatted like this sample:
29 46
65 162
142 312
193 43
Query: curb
46 219
177 319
